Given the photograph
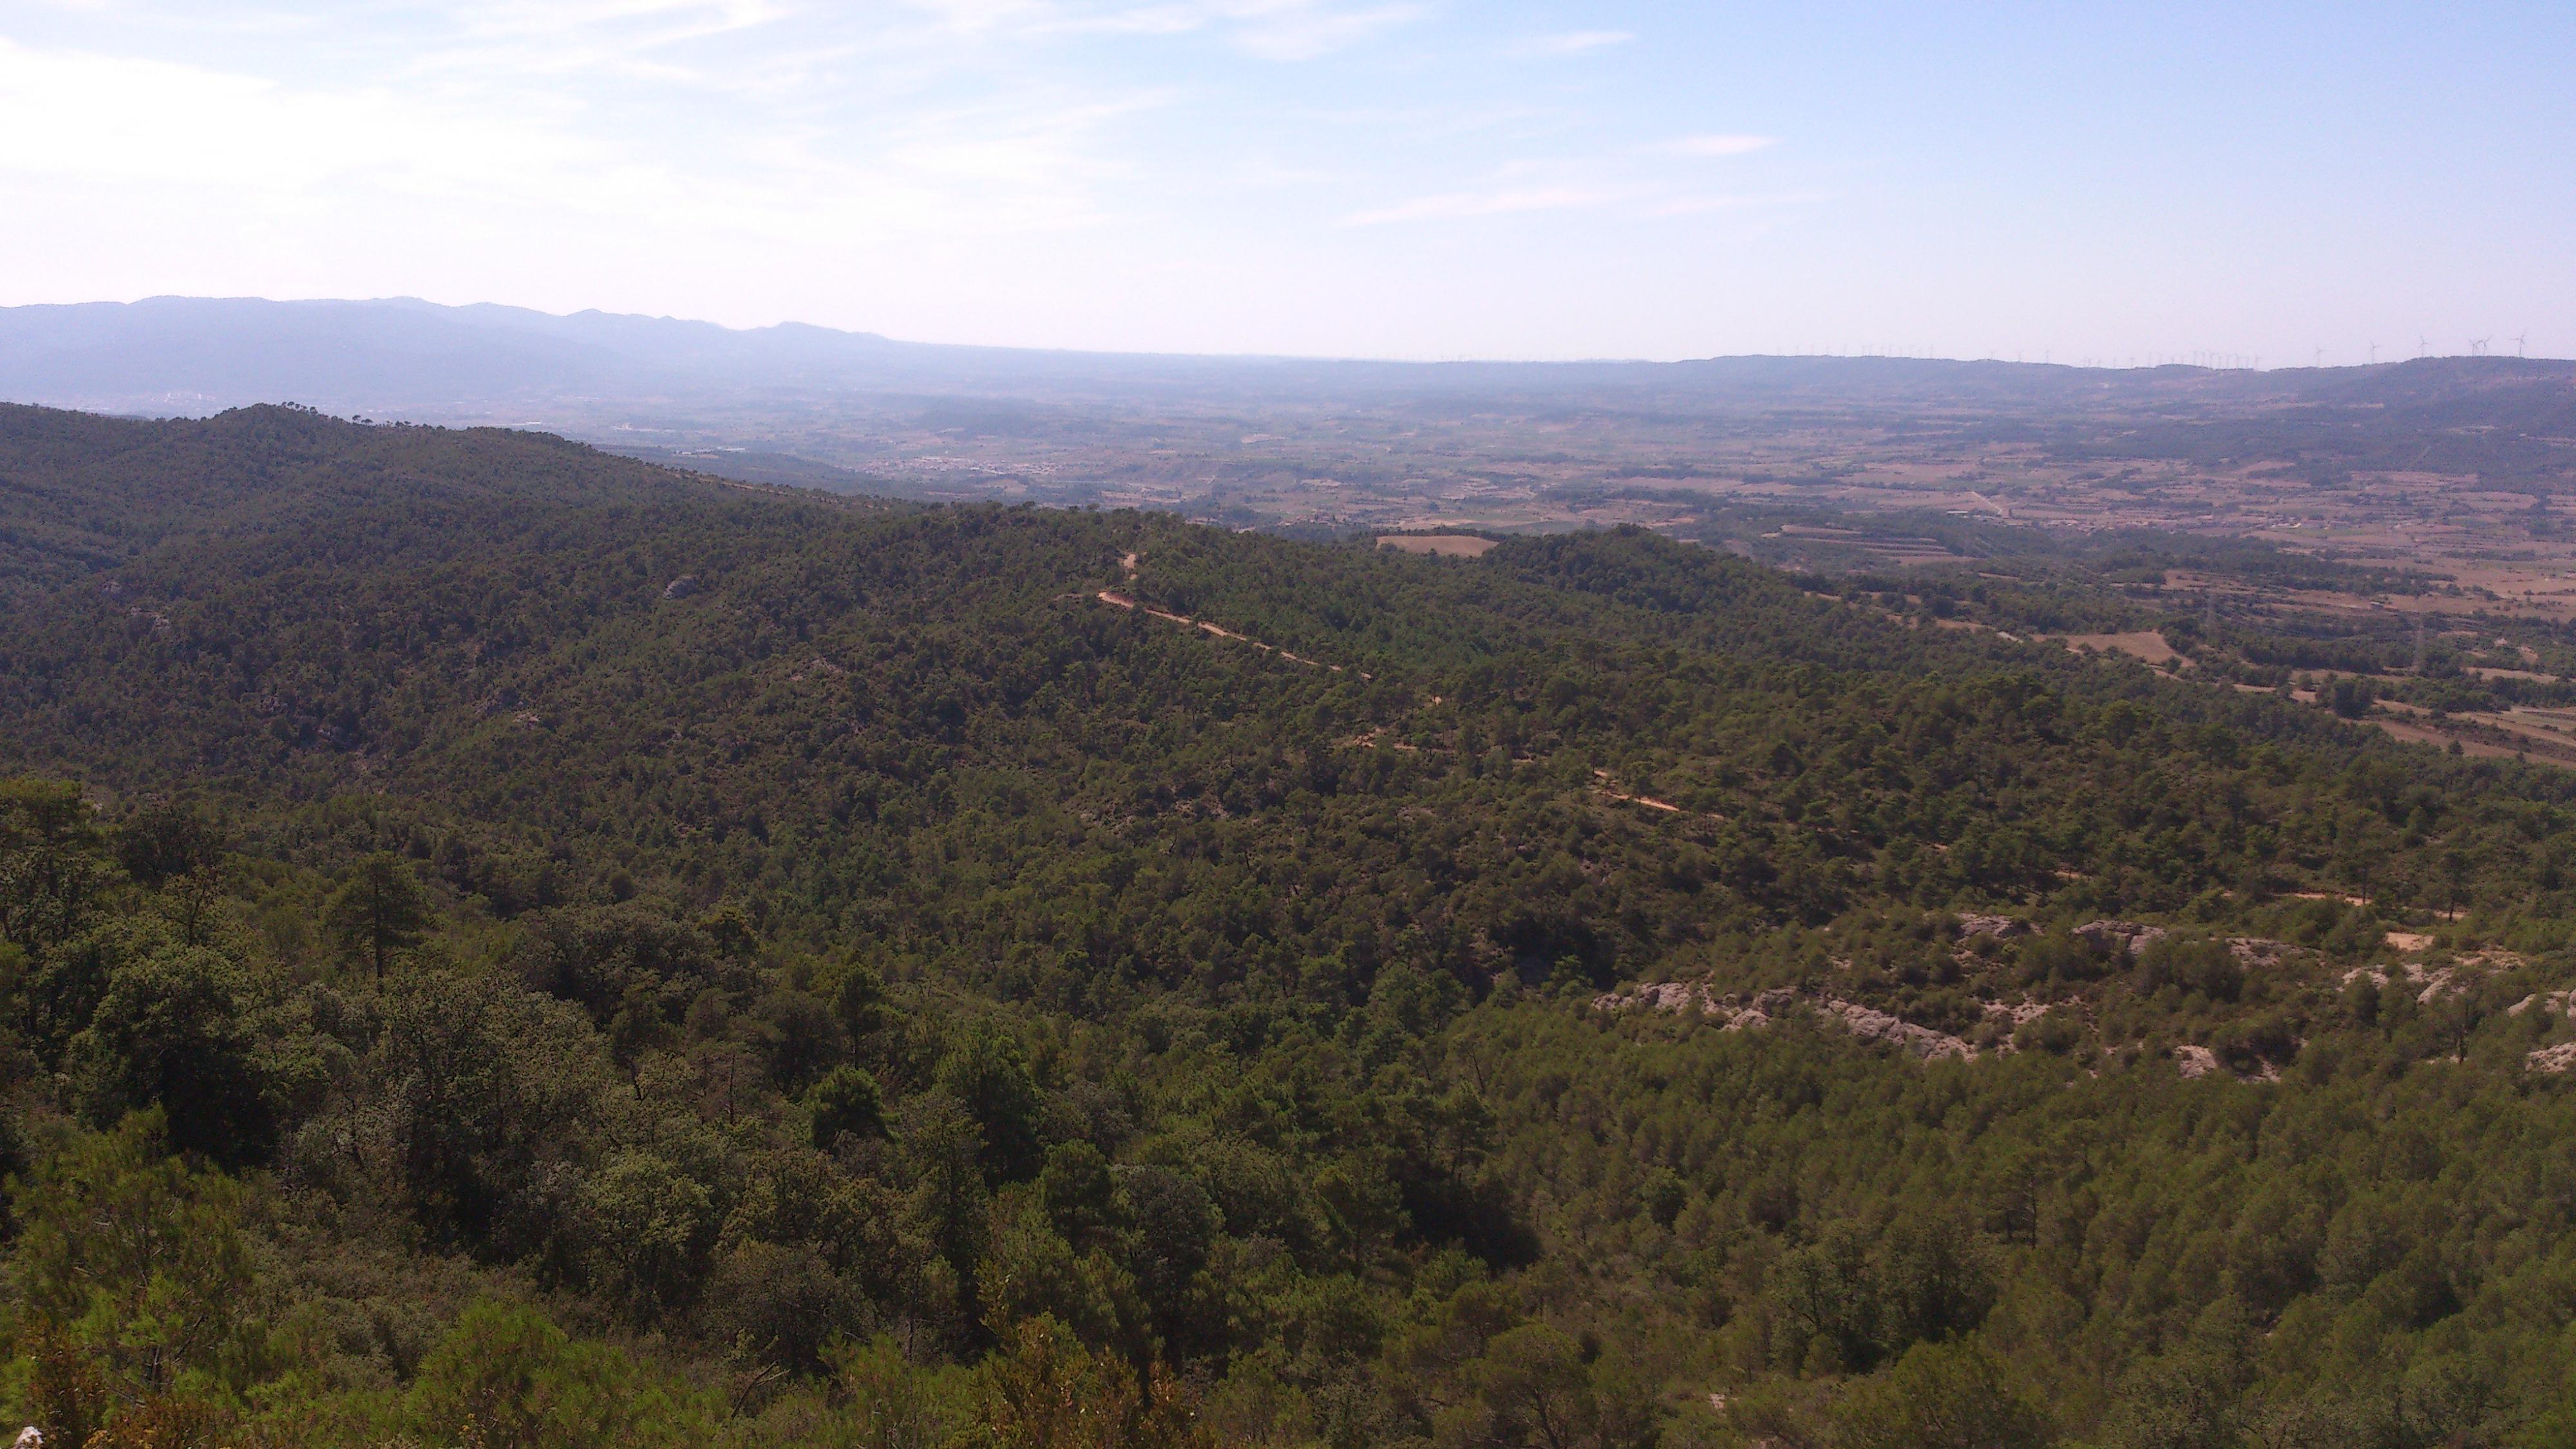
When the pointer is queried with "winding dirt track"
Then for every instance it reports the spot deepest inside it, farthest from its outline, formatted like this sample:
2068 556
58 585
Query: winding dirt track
1119 600
1129 562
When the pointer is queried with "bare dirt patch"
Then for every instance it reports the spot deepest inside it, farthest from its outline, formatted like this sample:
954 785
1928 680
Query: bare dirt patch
2146 644
2522 731
1445 545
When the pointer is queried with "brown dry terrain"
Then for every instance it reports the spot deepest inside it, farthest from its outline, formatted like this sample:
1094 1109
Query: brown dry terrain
2146 646
1445 545
2523 732
2442 455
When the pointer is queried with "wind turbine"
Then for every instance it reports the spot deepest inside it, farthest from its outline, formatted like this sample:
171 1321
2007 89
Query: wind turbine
2423 344
2478 346
2517 342
2374 354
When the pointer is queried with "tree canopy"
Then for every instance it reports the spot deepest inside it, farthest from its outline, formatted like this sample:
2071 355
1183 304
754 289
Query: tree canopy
984 975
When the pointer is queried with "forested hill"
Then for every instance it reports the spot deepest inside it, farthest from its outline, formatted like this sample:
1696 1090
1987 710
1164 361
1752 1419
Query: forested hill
519 946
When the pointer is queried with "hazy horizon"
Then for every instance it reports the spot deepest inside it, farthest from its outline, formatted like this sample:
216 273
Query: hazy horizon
2211 361
1331 178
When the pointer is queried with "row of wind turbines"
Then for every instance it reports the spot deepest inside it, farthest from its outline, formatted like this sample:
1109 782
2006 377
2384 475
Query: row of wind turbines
2424 347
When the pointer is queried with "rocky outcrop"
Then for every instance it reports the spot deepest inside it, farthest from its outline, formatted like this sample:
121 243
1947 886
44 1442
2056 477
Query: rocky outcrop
2432 983
2019 1013
2259 950
2120 938
2552 1061
1875 1025
2549 1003
1659 996
1765 1007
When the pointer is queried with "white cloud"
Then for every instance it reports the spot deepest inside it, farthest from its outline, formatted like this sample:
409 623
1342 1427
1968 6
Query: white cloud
118 118
1574 42
1298 30
1704 205
1036 170
1721 145
1642 198
228 141
1459 205
1265 29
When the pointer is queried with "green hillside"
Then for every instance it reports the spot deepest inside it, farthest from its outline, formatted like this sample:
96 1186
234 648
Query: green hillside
511 945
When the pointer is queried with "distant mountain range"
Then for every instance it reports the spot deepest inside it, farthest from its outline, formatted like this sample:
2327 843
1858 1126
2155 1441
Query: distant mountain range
403 357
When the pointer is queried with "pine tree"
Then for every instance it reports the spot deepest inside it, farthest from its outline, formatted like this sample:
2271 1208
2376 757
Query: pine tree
379 909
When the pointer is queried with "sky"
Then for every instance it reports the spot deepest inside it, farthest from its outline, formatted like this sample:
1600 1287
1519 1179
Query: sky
1357 178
